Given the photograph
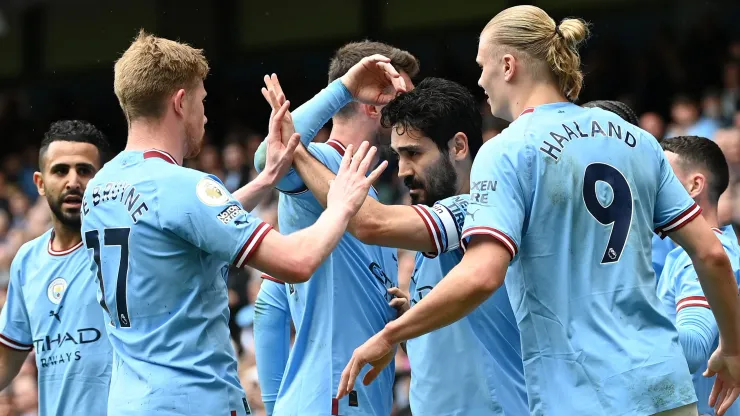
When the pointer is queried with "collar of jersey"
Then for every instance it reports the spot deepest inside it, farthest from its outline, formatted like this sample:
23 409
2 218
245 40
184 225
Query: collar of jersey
63 252
160 154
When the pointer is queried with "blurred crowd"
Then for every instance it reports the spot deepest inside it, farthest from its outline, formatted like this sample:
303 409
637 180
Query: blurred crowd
670 94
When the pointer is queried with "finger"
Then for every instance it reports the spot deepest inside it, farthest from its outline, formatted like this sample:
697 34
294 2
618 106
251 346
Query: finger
371 375
354 371
281 111
388 69
377 172
343 379
397 303
276 85
729 400
396 291
377 58
367 160
721 398
293 142
281 98
345 160
358 156
716 388
268 82
273 99
266 94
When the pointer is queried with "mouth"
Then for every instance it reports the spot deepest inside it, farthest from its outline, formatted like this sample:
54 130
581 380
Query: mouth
72 201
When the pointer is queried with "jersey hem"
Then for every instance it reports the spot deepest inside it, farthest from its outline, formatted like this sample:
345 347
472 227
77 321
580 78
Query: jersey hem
266 276
507 241
250 246
14 345
679 221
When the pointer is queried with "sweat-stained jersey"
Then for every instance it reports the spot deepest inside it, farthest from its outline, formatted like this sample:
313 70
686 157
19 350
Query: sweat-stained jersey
160 238
473 366
574 195
51 308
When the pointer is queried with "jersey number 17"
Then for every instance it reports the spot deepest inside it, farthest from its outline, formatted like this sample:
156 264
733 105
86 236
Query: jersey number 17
112 237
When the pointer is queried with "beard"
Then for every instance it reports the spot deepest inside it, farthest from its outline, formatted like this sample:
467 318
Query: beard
71 219
193 139
439 182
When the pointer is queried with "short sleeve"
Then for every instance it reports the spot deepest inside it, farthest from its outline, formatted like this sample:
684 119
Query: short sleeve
688 289
497 205
15 327
444 222
674 208
201 211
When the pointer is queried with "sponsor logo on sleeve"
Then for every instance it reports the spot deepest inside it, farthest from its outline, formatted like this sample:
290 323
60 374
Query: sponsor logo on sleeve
228 214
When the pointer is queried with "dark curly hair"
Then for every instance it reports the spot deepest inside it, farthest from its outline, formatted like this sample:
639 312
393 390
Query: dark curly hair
73 131
439 108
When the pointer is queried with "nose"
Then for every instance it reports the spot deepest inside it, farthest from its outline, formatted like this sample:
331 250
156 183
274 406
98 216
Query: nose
404 168
73 180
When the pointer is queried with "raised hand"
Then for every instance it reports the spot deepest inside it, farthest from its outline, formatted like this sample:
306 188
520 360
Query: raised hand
374 81
282 141
727 384
273 93
349 189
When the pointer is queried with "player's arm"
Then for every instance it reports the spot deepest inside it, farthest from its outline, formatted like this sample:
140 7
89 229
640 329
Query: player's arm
15 328
375 223
697 328
295 257
494 231
271 339
678 216
308 120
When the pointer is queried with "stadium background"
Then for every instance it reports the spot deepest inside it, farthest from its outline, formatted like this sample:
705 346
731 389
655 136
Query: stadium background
677 63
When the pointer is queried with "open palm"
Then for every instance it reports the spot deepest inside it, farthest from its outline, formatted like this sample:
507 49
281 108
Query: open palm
374 81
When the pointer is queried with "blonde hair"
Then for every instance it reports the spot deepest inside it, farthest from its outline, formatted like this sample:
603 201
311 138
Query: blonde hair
532 32
151 69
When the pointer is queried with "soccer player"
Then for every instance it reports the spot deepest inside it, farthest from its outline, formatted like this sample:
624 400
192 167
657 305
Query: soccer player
474 366
49 306
160 238
568 196
346 300
702 169
271 338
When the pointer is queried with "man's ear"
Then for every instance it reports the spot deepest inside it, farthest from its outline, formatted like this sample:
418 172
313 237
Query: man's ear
38 179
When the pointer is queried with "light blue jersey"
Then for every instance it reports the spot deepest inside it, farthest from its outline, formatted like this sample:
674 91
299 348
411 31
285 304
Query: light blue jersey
346 300
343 304
661 248
473 366
271 338
685 303
51 308
160 238
574 194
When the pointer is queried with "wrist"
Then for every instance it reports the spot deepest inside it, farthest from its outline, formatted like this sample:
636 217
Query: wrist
391 333
266 179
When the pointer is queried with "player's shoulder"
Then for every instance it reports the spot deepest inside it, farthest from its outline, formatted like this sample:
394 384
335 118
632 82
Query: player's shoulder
329 152
29 251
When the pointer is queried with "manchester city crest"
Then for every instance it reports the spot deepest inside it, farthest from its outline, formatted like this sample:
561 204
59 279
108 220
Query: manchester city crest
56 290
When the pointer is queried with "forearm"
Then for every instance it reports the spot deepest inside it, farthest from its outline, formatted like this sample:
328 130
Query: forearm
309 118
451 300
315 175
721 290
697 331
251 194
320 239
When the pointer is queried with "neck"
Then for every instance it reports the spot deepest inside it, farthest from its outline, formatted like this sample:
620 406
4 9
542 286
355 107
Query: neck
64 236
538 94
710 215
351 131
145 135
463 180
